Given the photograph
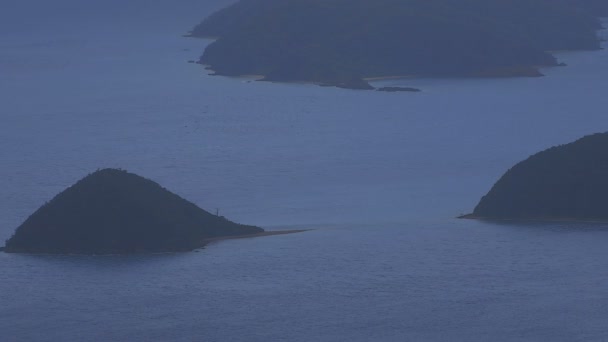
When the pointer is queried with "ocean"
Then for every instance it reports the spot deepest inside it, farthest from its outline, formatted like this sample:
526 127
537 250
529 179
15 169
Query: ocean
378 178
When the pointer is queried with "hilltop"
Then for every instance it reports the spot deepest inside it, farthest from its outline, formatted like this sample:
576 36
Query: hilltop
116 212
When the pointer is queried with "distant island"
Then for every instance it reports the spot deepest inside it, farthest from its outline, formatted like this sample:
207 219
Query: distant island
116 212
567 182
343 43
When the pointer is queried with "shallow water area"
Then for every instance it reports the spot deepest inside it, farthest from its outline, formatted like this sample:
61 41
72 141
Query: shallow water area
379 177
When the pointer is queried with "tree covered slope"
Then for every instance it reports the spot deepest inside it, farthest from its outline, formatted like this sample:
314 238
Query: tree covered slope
115 212
340 42
567 182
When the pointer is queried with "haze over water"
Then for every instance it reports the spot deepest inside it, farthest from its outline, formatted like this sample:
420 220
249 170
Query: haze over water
379 176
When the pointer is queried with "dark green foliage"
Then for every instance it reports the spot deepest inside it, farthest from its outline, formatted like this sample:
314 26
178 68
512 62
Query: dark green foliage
338 41
563 182
116 212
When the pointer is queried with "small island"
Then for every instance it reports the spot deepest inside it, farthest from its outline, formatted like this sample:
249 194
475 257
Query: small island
343 43
116 212
567 182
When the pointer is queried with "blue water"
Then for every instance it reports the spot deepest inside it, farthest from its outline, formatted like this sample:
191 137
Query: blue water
379 177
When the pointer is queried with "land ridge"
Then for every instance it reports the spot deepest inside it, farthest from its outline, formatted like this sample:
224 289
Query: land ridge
343 42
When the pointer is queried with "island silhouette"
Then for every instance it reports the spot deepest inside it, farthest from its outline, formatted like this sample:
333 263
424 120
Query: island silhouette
566 182
112 211
345 43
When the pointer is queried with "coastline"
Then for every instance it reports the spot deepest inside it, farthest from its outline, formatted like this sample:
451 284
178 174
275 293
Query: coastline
364 84
250 236
526 63
535 220
498 72
203 244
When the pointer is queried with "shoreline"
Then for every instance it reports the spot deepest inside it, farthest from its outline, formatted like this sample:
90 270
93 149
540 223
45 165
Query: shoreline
534 220
251 236
516 72
203 244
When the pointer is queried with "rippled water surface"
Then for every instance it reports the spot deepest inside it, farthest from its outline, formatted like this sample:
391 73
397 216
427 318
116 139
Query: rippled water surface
377 176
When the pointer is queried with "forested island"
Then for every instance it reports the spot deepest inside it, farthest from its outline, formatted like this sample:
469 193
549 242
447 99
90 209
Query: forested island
344 42
116 212
567 182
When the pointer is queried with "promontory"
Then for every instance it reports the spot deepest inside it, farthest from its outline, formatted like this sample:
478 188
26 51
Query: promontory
567 182
113 211
345 42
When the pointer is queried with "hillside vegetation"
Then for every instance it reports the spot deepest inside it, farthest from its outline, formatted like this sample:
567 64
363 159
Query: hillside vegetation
341 42
567 182
115 212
